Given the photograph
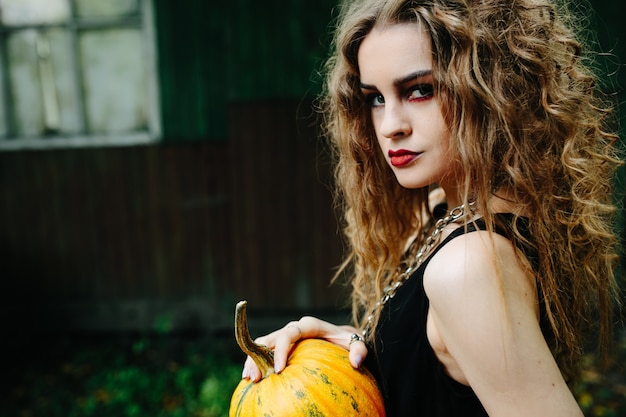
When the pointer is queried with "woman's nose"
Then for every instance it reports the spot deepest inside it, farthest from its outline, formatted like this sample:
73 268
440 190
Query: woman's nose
395 123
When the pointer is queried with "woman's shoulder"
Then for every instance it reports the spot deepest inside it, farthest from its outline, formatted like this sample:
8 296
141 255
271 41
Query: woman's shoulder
477 262
483 309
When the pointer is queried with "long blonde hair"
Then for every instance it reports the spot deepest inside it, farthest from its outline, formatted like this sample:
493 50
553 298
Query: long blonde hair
524 115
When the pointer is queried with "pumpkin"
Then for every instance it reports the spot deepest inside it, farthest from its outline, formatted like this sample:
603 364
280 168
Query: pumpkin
318 381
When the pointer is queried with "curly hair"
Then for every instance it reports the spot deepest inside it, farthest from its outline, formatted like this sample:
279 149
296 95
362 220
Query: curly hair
525 115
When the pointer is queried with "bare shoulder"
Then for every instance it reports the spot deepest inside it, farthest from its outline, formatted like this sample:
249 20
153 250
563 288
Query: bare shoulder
483 321
476 260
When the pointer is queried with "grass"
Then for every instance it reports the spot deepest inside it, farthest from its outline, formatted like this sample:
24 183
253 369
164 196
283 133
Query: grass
174 376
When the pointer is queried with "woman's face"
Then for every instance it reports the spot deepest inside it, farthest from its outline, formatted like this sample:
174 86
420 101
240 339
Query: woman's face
395 65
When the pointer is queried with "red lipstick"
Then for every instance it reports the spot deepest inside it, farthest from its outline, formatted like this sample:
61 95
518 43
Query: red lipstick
402 157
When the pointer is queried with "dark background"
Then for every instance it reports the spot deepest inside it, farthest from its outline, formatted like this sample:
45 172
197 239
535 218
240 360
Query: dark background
233 203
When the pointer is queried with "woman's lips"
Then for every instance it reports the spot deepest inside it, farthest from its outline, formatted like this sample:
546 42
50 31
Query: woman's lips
402 157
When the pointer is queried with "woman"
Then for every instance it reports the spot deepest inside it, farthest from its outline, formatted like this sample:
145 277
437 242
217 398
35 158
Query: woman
488 103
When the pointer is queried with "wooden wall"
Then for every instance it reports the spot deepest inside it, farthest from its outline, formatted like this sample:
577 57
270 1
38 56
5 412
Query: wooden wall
171 235
176 233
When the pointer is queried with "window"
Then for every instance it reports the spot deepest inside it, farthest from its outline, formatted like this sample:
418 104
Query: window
77 73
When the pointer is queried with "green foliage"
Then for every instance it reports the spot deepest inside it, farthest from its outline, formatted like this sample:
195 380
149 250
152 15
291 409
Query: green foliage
602 392
146 378
214 390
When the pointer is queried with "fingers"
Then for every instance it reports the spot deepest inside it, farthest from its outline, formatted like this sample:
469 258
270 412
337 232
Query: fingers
250 370
285 338
281 342
358 350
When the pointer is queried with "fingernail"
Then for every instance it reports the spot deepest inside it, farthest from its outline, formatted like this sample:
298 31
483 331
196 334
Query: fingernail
358 360
245 373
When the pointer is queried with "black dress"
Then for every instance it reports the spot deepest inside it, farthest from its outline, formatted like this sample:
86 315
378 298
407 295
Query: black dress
412 380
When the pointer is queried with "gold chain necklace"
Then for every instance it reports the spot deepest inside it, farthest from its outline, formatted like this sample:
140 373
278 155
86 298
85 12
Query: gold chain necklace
404 273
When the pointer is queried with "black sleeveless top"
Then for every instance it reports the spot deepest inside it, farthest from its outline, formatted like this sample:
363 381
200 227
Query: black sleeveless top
411 378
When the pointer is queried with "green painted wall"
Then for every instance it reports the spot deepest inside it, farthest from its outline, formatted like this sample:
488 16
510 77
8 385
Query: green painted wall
215 53
212 54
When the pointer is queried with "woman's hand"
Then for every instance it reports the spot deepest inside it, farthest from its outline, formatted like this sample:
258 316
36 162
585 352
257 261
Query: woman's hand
281 342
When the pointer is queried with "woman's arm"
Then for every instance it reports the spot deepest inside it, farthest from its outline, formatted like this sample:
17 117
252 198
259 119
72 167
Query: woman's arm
281 341
484 313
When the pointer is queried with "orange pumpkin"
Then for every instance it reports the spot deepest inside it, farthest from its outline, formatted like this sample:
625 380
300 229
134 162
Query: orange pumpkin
318 381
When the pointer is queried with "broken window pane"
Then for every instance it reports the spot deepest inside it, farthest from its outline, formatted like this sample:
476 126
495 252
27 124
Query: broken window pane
43 92
65 76
25 94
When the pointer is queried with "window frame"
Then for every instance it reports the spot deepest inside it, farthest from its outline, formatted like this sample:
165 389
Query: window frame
146 22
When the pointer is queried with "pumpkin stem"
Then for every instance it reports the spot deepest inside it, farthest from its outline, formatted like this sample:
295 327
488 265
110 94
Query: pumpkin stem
262 356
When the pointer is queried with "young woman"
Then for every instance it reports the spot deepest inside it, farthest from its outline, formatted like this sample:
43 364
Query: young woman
485 105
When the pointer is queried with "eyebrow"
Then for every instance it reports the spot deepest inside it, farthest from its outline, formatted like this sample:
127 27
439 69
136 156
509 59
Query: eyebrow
401 81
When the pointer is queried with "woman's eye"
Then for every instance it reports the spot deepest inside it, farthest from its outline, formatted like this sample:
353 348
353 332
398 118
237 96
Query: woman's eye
421 92
376 100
